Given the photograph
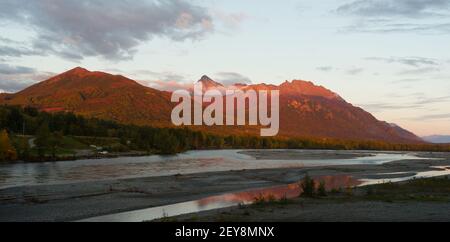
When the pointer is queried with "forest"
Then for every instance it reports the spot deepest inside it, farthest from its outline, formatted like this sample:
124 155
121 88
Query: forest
54 133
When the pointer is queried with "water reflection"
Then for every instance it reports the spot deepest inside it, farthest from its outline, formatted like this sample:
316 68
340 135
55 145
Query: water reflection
248 197
279 192
187 163
223 201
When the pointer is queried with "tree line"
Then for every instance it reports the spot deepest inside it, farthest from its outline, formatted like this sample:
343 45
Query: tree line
49 128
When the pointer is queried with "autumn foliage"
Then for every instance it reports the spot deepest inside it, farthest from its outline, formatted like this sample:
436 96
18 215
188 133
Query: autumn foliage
7 151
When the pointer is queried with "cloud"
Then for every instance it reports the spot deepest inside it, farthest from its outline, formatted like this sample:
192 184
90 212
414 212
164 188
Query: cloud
417 100
9 86
409 61
230 20
418 65
354 71
399 16
419 71
11 48
165 81
432 117
324 68
163 76
377 107
169 86
8 51
230 78
170 81
407 80
397 8
426 100
16 78
112 29
373 27
12 70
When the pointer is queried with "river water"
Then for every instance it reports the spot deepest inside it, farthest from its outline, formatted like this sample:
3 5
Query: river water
24 174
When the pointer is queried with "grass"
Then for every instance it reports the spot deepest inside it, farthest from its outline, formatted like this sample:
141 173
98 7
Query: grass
430 189
69 142
97 141
270 199
60 152
417 190
67 148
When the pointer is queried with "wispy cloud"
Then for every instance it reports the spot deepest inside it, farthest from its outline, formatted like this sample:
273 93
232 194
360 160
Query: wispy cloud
419 71
416 28
409 61
378 107
354 71
169 81
417 65
397 8
416 100
169 86
400 16
165 80
429 100
432 117
230 78
324 68
407 80
229 20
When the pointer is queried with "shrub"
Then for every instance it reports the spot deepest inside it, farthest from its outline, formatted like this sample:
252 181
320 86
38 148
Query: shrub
321 190
336 190
370 191
308 186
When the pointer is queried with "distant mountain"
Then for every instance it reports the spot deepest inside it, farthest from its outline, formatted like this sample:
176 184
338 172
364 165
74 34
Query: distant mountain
306 110
97 94
438 139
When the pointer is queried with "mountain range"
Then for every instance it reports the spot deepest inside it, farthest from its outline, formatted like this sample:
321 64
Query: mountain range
437 139
306 110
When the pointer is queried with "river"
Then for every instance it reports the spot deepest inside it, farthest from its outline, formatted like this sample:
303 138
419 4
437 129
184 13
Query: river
64 172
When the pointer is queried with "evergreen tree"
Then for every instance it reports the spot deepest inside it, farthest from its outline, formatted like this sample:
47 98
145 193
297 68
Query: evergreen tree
22 147
42 140
54 141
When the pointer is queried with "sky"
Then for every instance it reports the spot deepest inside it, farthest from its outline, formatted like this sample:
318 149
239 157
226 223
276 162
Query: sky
390 57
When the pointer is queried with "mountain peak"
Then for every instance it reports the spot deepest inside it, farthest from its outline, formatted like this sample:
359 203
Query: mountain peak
205 77
77 71
308 88
80 78
208 82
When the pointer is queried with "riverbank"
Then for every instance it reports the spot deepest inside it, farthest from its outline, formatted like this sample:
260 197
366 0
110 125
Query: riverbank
82 155
262 154
69 202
